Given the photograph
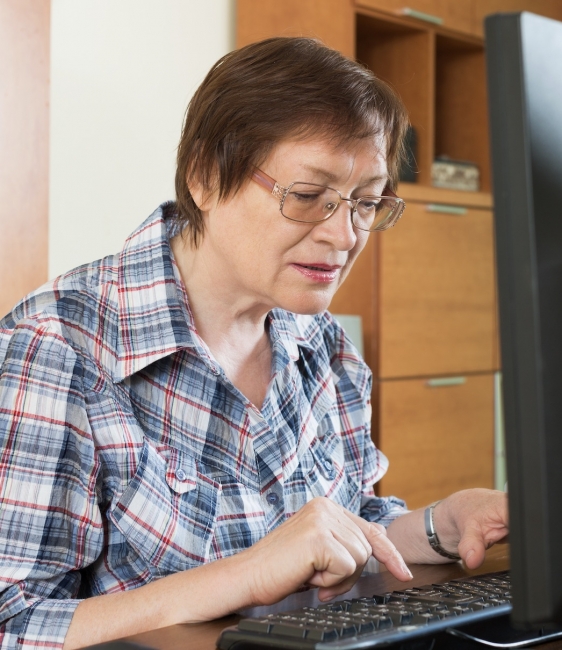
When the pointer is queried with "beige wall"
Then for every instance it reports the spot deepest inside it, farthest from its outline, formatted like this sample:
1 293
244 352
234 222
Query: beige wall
122 72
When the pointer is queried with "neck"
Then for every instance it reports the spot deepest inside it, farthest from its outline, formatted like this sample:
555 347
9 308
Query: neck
232 325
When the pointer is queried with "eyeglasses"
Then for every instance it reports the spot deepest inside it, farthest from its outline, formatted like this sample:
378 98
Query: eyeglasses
311 203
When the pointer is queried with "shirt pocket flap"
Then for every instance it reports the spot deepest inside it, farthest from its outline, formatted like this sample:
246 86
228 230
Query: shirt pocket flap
168 521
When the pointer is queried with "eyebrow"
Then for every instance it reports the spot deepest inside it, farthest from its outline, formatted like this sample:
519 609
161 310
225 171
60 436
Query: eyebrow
331 177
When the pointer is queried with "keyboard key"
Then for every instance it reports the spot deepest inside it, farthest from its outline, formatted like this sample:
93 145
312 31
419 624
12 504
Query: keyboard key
254 625
349 629
320 633
402 617
424 618
286 629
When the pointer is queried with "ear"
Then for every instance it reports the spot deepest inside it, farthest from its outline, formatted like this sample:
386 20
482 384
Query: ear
204 197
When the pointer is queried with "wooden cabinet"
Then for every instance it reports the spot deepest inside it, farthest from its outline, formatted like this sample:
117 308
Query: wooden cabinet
425 289
438 435
437 292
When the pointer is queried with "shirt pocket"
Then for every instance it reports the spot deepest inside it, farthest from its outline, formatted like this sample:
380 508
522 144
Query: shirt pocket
167 512
326 474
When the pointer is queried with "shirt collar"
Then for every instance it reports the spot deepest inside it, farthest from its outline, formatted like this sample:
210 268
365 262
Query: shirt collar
154 315
153 322
296 331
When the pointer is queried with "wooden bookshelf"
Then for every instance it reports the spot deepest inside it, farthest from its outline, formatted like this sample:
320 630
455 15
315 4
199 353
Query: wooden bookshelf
425 290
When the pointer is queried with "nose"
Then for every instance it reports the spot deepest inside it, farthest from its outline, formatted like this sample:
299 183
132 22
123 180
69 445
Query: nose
338 230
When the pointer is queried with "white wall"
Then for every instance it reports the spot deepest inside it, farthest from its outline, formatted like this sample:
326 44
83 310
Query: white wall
122 73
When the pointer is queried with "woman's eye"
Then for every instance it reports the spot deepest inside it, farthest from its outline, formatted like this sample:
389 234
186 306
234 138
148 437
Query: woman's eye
370 204
300 196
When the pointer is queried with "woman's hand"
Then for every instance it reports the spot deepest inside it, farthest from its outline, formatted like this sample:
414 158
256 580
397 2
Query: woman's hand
472 521
322 545
467 522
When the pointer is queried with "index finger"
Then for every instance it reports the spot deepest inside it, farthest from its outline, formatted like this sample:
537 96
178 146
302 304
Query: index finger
382 548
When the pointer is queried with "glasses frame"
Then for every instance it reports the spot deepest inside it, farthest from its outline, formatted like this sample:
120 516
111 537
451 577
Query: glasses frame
280 192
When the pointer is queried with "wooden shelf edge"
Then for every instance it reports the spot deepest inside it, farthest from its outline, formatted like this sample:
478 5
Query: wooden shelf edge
418 25
448 373
428 194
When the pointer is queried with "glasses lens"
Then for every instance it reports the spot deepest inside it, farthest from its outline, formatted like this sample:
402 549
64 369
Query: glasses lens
308 202
377 212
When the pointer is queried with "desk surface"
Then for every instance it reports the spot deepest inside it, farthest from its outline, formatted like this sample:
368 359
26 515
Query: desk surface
202 636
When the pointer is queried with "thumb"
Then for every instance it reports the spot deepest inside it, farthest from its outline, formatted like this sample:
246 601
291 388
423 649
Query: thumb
472 547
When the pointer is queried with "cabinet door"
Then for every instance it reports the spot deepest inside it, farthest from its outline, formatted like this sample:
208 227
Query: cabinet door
437 293
438 438
451 14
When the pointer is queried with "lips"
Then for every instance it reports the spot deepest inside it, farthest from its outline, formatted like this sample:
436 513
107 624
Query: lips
318 272
320 267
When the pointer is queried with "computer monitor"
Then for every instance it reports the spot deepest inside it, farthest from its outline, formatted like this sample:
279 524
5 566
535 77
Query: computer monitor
524 61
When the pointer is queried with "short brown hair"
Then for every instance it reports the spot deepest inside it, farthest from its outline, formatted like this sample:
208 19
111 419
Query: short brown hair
257 96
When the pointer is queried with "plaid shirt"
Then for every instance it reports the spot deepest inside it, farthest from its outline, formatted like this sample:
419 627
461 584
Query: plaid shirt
126 454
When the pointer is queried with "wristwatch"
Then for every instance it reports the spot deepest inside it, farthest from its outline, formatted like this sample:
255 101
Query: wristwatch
432 535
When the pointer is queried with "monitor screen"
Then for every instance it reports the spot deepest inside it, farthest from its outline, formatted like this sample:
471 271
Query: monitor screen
524 62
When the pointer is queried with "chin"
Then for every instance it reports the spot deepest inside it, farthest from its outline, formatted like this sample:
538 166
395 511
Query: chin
307 305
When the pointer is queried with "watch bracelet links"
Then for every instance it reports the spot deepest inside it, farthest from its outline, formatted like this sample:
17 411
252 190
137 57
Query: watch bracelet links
432 537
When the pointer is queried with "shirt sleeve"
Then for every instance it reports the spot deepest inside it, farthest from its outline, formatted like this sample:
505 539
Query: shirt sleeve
50 524
355 381
380 510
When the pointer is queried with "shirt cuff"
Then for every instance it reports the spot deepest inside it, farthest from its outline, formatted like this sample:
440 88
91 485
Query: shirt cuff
382 510
42 625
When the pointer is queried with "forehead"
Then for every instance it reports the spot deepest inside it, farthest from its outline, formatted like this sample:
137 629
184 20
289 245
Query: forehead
323 159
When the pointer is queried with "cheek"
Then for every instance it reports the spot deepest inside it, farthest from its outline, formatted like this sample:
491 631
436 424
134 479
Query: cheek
362 239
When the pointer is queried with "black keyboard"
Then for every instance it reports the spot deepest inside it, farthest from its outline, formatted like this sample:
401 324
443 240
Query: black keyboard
392 617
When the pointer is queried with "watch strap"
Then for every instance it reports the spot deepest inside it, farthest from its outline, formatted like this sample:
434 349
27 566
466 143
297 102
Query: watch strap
432 537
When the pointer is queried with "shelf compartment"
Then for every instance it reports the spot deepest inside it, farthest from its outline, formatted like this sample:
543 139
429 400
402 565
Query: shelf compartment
461 115
404 57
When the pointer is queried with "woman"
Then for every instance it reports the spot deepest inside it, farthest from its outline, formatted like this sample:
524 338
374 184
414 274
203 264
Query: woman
185 418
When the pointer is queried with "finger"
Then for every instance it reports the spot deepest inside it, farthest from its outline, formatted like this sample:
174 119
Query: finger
352 538
327 592
382 548
336 567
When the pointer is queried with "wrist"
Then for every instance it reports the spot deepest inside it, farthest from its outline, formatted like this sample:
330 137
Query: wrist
212 590
441 529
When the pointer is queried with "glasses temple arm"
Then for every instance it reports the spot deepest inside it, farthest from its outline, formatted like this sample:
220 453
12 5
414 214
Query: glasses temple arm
264 180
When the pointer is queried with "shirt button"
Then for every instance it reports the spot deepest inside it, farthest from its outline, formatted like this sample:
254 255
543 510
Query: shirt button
272 498
180 474
328 464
